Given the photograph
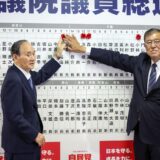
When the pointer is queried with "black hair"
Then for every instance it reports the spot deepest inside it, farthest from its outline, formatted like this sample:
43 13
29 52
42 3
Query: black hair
151 31
15 48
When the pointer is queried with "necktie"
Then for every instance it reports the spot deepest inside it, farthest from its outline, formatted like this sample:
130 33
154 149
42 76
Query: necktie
152 78
30 82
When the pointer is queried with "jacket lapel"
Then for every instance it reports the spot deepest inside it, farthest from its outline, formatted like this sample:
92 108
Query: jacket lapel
145 71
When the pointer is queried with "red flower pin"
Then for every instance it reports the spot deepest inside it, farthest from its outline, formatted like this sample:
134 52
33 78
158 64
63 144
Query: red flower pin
63 36
88 36
83 35
138 37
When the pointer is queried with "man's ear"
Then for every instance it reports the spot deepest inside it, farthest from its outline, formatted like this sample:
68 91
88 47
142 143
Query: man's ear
14 56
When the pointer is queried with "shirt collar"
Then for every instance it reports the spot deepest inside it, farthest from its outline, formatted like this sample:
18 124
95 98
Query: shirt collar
26 74
157 63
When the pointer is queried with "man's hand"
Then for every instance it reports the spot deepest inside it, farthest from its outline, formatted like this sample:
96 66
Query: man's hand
73 45
40 139
59 49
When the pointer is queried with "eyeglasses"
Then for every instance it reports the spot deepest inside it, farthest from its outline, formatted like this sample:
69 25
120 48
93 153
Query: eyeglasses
155 42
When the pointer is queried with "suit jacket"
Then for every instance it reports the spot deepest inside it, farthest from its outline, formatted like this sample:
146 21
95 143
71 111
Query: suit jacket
144 107
21 120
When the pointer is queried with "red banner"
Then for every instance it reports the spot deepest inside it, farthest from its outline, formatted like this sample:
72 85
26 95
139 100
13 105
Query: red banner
116 150
51 151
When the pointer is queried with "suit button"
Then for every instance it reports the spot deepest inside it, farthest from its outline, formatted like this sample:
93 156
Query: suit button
145 98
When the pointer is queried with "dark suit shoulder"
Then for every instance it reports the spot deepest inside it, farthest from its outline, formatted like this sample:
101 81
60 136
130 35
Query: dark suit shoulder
144 55
143 59
13 73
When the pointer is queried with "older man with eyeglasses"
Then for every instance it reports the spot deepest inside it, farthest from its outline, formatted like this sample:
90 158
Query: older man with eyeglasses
144 111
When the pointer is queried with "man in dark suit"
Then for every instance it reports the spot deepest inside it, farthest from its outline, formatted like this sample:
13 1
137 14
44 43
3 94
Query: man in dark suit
144 111
22 135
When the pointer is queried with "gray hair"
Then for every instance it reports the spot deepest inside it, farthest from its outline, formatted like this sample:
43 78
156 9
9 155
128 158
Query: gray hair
151 31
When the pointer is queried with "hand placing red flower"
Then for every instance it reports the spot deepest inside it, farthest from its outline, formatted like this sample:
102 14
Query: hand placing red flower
63 36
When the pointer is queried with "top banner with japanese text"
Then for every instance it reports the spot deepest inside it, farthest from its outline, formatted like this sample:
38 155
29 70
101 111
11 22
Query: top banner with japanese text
81 11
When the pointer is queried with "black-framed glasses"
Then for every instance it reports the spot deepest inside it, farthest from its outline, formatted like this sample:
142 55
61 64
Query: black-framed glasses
155 42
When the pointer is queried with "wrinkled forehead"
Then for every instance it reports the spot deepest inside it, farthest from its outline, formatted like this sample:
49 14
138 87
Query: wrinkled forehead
26 47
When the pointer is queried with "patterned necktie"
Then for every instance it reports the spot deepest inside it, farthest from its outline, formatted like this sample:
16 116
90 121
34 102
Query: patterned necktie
30 82
152 78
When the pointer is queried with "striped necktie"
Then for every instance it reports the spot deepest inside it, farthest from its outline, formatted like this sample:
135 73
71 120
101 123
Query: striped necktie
30 82
152 78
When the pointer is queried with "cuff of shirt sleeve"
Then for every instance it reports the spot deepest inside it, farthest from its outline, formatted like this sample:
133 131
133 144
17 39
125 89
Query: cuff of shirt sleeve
56 59
88 50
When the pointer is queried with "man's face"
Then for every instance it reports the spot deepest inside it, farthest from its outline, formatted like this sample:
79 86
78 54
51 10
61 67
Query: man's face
152 46
26 59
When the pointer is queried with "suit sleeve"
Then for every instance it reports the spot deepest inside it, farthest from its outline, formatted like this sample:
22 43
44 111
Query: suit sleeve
114 59
13 110
45 72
